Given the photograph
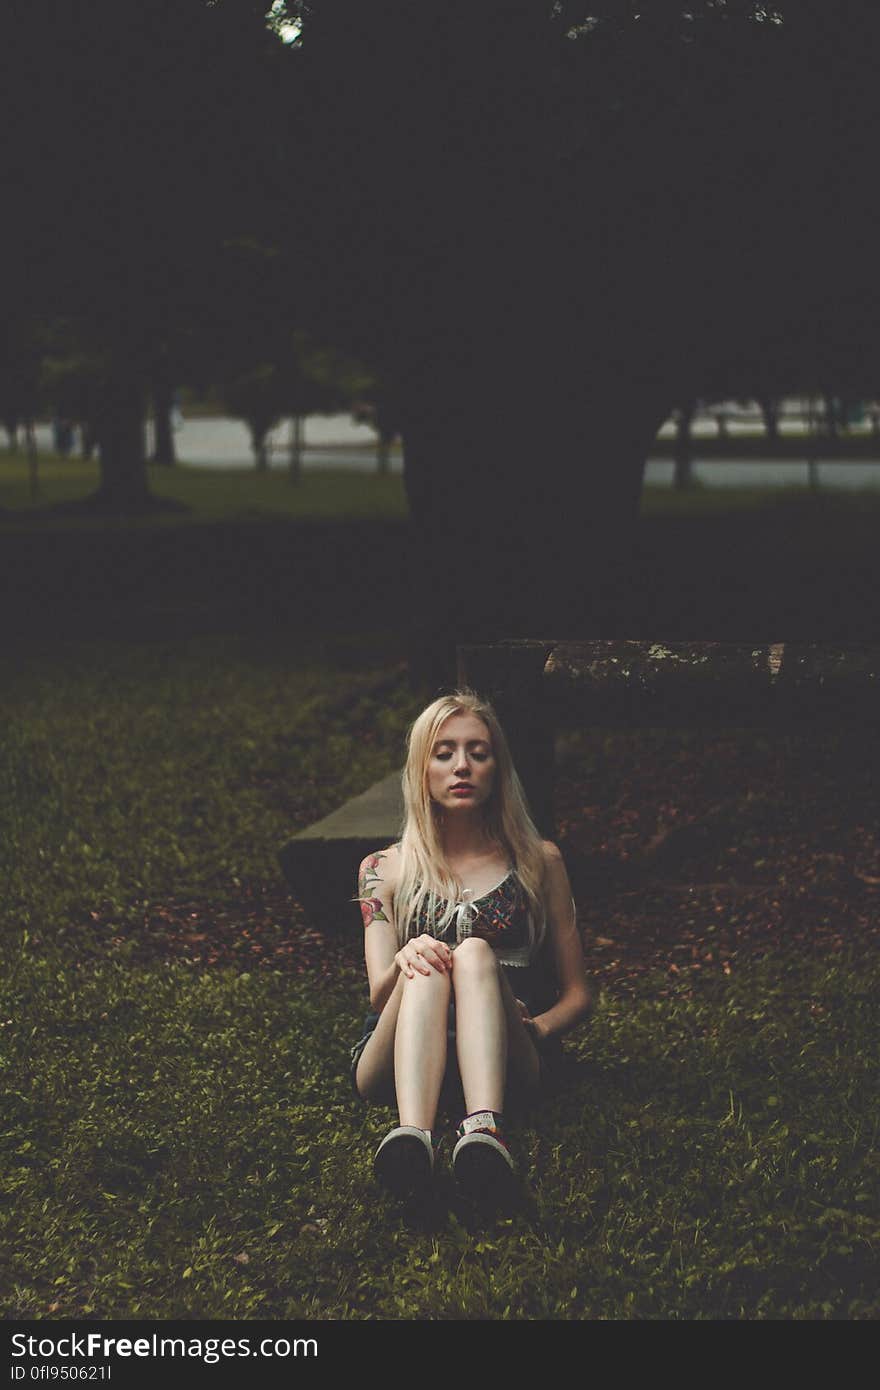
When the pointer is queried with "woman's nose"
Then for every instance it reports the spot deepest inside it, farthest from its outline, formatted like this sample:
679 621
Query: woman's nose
461 764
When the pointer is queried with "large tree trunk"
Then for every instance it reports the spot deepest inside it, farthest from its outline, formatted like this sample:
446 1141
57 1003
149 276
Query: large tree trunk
124 486
524 512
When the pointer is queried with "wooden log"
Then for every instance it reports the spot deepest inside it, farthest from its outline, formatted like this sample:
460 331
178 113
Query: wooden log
717 684
537 685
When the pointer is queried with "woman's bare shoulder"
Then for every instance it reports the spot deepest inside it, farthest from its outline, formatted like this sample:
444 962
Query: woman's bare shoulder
555 872
379 866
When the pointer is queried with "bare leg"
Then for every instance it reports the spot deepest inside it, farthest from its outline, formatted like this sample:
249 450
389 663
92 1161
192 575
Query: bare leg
407 1052
490 1034
420 1047
375 1068
480 1025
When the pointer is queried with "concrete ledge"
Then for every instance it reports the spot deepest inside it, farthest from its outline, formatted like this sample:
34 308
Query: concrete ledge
376 814
321 862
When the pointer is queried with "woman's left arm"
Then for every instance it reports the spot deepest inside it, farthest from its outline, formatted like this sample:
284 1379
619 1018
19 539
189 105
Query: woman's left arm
575 996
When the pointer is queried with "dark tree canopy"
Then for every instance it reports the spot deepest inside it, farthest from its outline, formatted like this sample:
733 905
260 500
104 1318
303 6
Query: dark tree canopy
147 138
542 224
626 161
553 221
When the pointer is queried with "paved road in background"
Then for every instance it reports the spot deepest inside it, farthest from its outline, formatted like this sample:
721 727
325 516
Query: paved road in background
335 441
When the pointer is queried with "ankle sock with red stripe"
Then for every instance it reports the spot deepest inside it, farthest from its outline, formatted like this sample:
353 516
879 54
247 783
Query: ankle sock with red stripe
483 1122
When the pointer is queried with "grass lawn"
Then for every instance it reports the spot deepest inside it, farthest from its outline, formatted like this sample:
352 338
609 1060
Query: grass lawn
179 1139
182 1143
211 494
214 495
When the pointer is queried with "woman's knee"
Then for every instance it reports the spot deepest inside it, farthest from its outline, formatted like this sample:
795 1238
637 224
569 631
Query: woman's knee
474 958
419 986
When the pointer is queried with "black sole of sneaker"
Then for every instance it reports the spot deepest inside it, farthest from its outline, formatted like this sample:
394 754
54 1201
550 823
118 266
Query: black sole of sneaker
484 1175
403 1166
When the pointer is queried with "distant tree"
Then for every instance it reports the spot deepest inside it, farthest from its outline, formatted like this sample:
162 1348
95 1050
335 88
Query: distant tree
720 412
378 406
301 380
74 379
149 135
303 395
268 367
770 409
320 381
21 357
258 396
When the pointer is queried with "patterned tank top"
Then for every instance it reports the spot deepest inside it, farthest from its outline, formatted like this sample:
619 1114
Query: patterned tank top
500 917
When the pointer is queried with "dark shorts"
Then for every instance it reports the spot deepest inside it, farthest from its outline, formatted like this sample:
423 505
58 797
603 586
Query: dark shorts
550 1054
369 1025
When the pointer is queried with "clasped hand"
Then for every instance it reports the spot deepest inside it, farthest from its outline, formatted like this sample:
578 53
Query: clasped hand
424 954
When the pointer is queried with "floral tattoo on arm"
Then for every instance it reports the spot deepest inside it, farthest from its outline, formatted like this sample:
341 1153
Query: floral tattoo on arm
371 908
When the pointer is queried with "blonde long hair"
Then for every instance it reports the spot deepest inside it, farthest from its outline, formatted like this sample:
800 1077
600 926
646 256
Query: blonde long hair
424 875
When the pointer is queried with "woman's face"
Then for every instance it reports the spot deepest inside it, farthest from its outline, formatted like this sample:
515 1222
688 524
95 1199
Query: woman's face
461 765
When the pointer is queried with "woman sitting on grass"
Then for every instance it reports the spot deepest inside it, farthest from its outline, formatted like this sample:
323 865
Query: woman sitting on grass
454 917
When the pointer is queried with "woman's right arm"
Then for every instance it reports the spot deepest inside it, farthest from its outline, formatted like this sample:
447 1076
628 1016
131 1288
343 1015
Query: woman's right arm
385 961
376 894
